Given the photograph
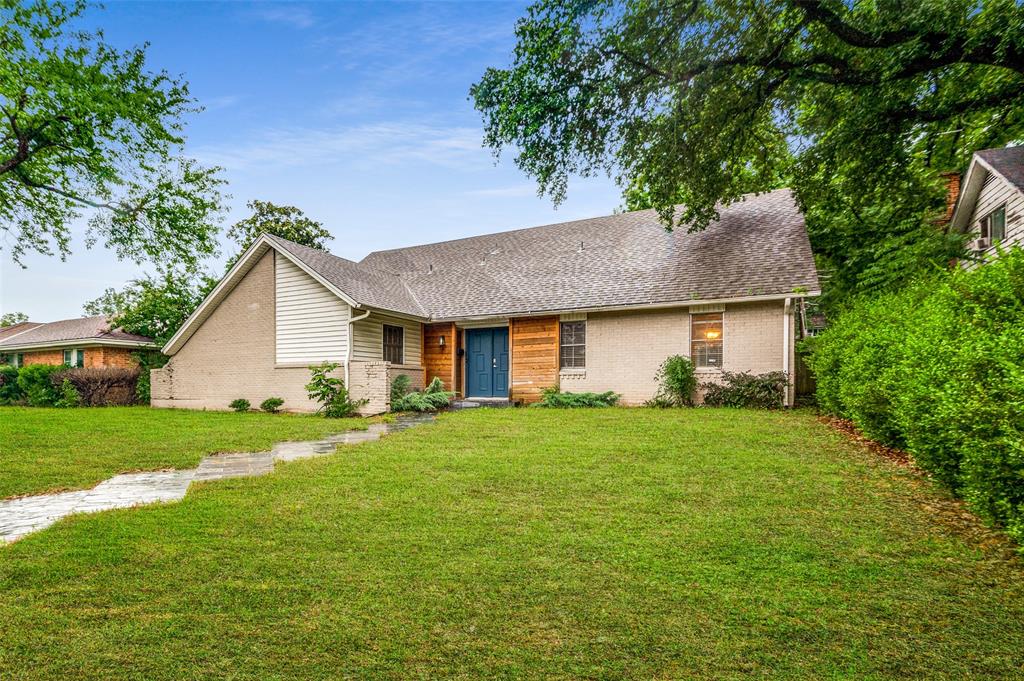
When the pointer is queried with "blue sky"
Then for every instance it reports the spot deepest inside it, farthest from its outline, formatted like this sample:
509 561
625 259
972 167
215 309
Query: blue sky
357 113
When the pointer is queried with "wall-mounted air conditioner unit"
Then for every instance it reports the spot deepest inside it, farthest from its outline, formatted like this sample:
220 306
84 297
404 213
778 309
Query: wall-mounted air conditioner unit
980 244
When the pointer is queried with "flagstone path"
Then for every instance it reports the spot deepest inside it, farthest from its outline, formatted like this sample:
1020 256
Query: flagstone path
25 515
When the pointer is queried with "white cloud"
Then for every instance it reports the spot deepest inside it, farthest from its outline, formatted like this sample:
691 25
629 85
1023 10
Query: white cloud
395 143
289 14
512 191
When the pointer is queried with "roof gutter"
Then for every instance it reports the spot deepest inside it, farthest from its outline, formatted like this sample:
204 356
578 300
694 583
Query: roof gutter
77 343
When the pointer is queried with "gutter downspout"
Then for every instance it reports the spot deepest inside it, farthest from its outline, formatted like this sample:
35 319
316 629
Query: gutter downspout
787 311
348 345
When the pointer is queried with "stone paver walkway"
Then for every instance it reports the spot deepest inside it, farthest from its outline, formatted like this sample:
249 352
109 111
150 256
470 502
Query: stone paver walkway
19 517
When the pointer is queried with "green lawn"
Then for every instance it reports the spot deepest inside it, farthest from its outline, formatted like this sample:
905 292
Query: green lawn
54 449
530 544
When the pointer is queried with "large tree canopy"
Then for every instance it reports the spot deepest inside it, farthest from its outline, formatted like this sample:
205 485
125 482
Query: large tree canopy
857 105
86 129
287 222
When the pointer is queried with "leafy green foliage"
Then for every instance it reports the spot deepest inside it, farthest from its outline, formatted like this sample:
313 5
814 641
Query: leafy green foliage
287 222
68 396
34 382
937 369
858 106
330 392
89 128
147 361
432 398
757 391
154 306
10 391
553 397
676 382
240 405
12 318
271 405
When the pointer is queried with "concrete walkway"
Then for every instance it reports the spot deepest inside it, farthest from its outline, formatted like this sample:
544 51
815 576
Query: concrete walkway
19 517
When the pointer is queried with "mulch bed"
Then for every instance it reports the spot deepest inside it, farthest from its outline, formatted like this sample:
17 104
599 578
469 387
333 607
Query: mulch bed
846 427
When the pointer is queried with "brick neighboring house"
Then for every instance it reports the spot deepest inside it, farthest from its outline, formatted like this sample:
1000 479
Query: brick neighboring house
588 305
83 342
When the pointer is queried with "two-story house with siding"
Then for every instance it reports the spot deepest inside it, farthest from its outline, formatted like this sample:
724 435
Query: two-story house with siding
990 206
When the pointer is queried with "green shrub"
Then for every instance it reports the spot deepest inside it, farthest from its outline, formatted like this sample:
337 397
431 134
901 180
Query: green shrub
99 387
676 383
240 405
400 387
553 397
34 382
330 392
938 368
433 397
148 360
271 405
10 391
69 396
756 391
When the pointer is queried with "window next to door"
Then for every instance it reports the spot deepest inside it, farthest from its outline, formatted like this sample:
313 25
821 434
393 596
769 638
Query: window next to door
74 358
572 351
394 344
706 340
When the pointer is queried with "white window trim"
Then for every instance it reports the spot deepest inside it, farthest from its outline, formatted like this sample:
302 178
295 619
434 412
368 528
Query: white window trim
573 371
705 309
984 222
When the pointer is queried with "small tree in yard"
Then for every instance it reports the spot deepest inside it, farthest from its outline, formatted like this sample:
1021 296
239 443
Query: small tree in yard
677 383
330 392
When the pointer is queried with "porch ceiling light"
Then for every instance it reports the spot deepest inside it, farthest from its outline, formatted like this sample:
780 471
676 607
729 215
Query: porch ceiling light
712 334
442 341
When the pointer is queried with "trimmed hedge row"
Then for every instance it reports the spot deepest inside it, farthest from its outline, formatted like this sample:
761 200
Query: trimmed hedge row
44 385
938 369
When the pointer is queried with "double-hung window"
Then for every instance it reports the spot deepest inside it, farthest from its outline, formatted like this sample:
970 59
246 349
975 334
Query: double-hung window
993 225
572 349
394 344
74 358
706 340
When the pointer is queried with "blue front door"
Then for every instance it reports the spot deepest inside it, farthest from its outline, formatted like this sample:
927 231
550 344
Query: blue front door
487 362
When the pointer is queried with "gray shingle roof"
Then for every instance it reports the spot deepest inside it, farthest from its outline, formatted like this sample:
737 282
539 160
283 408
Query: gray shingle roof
94 329
20 327
759 246
1008 162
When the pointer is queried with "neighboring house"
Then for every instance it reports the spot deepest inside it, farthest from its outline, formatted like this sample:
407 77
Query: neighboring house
589 305
990 206
84 342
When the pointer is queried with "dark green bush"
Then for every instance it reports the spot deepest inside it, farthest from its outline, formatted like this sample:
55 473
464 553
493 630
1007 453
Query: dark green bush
433 397
400 387
676 383
69 396
148 360
271 405
35 382
240 405
552 397
756 391
99 387
10 391
938 368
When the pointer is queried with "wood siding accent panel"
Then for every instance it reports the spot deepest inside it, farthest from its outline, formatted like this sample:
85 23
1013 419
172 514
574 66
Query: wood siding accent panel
368 338
311 323
534 346
994 193
440 361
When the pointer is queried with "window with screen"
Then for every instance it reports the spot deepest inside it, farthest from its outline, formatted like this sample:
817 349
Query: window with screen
993 225
706 340
394 344
74 358
573 345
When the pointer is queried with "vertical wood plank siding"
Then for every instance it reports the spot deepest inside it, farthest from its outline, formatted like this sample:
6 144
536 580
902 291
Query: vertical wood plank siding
534 344
440 361
311 323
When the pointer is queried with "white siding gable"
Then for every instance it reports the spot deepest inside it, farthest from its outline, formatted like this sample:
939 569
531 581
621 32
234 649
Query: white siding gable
368 338
994 193
311 323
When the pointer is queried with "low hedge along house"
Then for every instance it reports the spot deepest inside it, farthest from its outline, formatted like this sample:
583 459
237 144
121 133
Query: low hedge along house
589 305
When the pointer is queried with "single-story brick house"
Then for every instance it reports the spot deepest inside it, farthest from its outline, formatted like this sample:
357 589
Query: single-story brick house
990 204
83 342
588 305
